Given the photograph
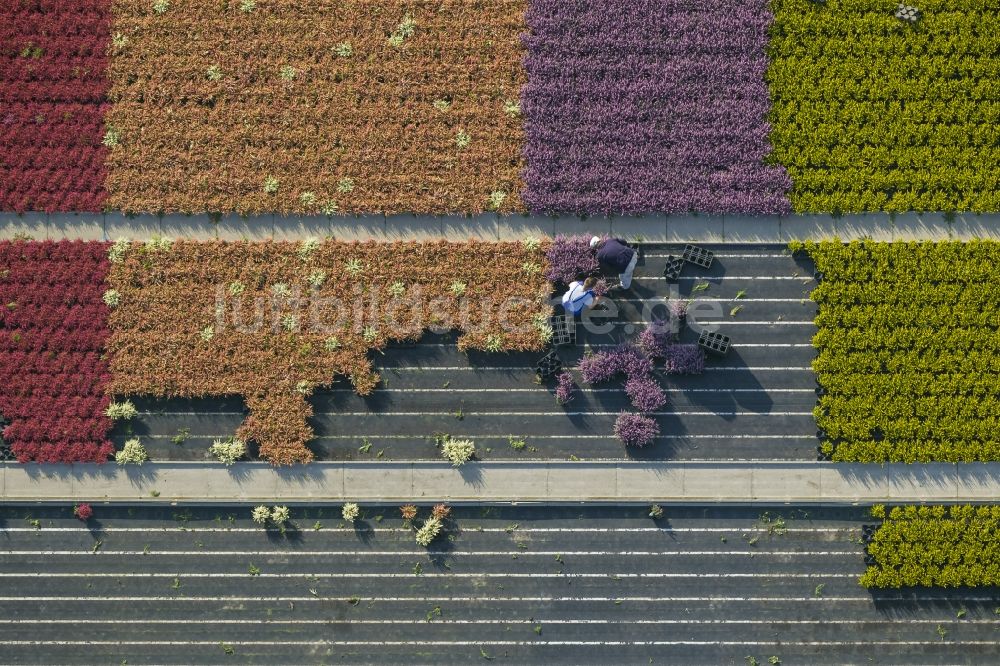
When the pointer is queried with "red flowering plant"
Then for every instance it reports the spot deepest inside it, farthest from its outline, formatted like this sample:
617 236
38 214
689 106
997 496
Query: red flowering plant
53 330
83 511
53 97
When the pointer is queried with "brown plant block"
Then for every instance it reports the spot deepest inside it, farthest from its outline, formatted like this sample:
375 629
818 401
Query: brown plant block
171 299
190 144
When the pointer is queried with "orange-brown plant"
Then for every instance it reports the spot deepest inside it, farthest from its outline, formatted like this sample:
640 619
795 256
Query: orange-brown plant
272 321
307 107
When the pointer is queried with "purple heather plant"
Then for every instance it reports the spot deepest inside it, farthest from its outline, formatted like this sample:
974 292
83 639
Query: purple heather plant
569 258
656 337
684 359
636 429
645 393
670 115
565 388
678 309
626 360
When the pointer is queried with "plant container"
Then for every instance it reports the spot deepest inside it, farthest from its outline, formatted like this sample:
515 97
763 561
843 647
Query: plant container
698 256
867 532
563 330
714 343
673 269
548 366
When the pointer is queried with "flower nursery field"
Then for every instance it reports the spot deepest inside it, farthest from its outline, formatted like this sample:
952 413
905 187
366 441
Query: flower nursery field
934 546
871 113
756 403
446 106
517 585
907 351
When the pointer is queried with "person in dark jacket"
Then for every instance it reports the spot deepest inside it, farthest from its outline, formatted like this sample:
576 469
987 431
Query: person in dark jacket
614 256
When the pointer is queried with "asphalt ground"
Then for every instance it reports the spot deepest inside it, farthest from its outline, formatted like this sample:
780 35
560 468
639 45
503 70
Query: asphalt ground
754 404
518 585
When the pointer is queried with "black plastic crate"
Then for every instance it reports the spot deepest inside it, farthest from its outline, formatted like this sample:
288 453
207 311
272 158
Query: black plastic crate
673 269
548 366
698 256
563 330
714 343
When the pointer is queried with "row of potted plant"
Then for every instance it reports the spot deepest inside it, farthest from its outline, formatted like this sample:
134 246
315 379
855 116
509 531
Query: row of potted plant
934 546
53 90
910 378
274 321
53 370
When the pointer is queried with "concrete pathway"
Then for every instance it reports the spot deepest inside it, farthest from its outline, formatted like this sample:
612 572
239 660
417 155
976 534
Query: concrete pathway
652 228
560 482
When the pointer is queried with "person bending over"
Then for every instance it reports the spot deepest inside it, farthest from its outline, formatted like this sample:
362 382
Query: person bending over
579 297
614 256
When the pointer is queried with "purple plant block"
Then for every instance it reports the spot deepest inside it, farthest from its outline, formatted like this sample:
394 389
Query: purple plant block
636 429
655 338
569 257
646 393
684 359
646 105
565 388
626 360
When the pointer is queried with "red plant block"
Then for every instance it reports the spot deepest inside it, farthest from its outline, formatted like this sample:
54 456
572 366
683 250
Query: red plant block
53 97
83 511
53 333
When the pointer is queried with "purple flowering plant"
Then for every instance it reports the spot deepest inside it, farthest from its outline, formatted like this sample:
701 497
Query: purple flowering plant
565 388
636 429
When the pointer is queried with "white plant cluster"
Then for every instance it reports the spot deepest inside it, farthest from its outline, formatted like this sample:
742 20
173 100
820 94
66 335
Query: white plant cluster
132 452
228 450
277 515
350 512
458 451
428 532
121 411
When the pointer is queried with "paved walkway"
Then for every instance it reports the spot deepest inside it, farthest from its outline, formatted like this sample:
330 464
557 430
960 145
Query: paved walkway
652 228
564 482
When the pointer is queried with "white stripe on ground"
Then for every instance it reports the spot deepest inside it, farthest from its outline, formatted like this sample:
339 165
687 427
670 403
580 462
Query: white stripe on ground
772 368
541 530
546 391
712 299
719 255
492 643
717 278
537 599
532 438
477 413
463 553
735 320
513 621
508 369
244 574
735 345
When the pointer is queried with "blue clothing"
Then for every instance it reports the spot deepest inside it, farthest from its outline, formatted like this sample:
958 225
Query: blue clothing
576 299
614 256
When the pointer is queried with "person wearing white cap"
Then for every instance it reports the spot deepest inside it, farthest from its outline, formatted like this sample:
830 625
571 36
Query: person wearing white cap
614 256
